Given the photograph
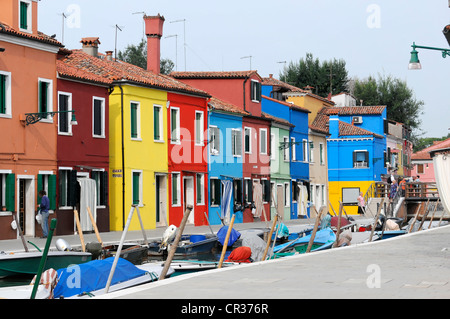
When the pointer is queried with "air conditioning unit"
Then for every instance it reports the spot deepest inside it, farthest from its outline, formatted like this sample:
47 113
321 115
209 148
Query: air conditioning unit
357 119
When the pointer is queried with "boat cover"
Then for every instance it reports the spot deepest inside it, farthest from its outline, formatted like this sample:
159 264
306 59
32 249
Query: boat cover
93 275
323 236
222 234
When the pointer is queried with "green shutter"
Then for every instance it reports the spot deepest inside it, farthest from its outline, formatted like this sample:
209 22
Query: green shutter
52 191
136 188
156 123
174 189
72 188
10 192
134 120
43 97
40 180
23 15
2 94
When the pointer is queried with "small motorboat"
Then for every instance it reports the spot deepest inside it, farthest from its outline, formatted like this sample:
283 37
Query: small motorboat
189 247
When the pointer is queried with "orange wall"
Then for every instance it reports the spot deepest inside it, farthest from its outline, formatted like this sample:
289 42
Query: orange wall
27 149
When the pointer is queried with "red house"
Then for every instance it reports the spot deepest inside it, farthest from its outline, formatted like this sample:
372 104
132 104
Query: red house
243 89
83 149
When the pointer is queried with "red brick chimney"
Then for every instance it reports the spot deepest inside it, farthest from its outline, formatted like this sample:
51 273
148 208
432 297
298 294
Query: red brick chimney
154 30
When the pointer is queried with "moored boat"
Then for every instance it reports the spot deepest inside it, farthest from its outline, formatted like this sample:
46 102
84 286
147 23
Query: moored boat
190 246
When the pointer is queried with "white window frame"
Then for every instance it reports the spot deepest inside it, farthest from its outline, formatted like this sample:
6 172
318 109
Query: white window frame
138 121
29 28
254 88
175 132
286 155
311 152
161 123
69 108
249 130
322 153
202 188
213 149
287 194
141 173
8 110
102 114
293 149
235 138
273 147
49 118
305 150
199 138
261 141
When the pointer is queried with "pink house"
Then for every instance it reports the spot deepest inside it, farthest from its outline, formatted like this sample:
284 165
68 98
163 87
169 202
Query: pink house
423 163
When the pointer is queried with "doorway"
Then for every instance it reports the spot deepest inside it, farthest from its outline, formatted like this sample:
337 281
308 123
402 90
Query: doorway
26 204
188 196
161 200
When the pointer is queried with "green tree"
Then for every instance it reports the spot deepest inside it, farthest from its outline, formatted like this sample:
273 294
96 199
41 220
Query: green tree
325 77
137 55
402 106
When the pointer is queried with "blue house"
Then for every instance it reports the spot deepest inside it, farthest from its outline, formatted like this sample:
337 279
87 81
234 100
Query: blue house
357 147
224 165
297 144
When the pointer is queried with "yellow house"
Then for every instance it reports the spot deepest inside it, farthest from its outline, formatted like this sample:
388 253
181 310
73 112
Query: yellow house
308 100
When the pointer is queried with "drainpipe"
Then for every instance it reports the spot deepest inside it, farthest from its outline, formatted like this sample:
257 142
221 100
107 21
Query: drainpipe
123 157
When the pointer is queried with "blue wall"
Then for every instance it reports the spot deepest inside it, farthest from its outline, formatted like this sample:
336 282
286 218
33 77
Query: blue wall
224 165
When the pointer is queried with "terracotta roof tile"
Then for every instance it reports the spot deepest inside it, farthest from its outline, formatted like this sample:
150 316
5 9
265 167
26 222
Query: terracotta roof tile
41 37
291 105
125 72
214 75
320 123
276 119
346 129
425 153
221 105
354 110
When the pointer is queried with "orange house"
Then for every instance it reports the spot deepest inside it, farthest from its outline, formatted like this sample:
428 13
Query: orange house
27 85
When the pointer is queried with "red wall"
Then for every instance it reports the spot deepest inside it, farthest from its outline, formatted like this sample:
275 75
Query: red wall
188 158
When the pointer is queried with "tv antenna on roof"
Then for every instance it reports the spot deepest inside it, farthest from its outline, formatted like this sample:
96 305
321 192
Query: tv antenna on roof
62 32
115 44
248 57
143 23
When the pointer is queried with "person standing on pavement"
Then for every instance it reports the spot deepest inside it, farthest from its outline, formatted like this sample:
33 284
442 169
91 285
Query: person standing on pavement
361 204
44 207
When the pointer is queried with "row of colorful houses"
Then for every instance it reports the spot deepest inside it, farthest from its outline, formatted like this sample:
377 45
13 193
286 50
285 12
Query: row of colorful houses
224 142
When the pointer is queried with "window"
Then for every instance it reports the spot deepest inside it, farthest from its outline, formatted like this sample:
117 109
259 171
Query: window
295 191
46 180
5 94
198 128
45 97
215 193
273 147
135 120
247 140
265 190
64 105
237 187
137 187
255 91
293 152
305 150
263 141
98 117
7 189
286 148
214 140
175 125
101 181
157 123
323 195
176 200
248 190
360 159
200 189
67 187
321 154
287 193
236 139
311 151
25 16
420 169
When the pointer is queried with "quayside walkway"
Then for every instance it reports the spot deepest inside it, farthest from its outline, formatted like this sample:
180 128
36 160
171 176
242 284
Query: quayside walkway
415 265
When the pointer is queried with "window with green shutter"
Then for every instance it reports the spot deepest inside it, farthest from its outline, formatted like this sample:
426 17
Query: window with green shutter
134 120
175 189
43 96
10 192
157 123
23 15
174 125
136 188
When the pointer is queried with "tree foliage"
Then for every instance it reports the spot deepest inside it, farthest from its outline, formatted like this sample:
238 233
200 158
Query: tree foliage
309 71
137 55
402 106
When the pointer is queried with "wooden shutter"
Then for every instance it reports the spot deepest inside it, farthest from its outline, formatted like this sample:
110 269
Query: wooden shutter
23 15
104 189
134 120
63 117
10 192
72 188
156 124
98 130
136 188
40 182
2 94
43 96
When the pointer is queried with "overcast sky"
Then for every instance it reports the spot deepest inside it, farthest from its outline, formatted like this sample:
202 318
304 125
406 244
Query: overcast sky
373 37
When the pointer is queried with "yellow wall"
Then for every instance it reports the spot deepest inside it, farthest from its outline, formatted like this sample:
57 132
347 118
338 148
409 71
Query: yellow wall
335 194
145 154
311 103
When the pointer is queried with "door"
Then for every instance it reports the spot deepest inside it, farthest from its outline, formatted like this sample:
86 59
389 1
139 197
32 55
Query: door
188 196
161 200
26 204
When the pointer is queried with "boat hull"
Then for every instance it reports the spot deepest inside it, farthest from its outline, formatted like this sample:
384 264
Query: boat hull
27 263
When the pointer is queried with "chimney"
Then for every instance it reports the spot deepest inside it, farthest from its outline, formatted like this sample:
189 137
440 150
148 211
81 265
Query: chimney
109 55
90 45
154 30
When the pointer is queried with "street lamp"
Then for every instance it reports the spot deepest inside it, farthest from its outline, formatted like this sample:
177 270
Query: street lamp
32 118
414 63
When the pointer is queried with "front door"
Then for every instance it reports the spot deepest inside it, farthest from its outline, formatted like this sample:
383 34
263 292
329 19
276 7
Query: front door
26 204
161 200
188 196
